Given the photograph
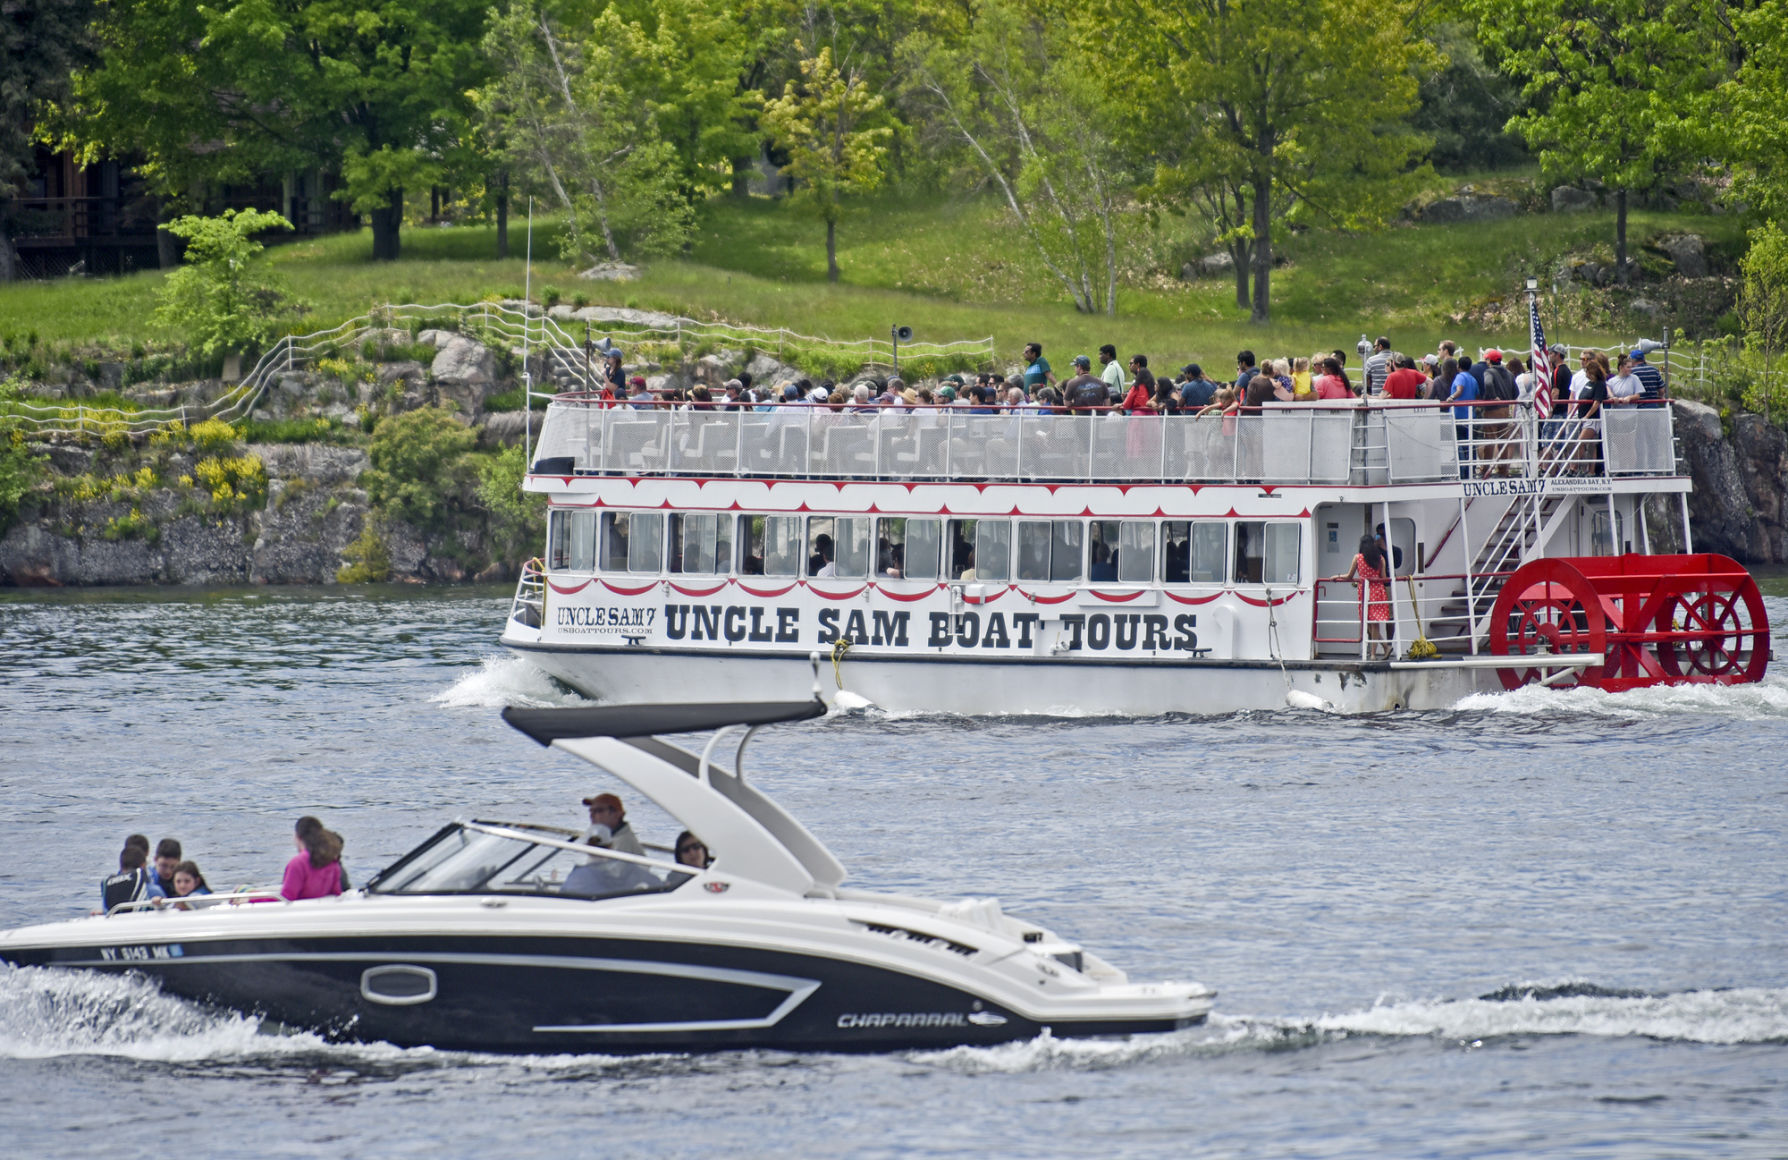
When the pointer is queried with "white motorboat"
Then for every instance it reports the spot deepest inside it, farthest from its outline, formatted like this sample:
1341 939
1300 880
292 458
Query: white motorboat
518 937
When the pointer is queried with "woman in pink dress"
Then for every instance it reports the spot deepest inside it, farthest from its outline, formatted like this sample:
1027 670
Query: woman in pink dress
1368 568
316 871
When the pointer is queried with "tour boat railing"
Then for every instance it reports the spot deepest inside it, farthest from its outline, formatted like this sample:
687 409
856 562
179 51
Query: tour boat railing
1432 604
1359 444
529 606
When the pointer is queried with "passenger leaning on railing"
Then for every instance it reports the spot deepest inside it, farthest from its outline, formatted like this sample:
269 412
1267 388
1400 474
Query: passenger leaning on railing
132 883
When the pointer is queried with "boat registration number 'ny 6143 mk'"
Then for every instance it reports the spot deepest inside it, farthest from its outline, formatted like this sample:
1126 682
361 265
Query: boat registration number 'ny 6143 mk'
141 954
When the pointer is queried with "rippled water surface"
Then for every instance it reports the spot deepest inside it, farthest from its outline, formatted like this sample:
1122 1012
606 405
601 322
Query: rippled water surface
1535 924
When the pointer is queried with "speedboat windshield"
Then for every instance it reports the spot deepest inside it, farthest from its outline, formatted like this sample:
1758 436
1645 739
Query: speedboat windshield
486 858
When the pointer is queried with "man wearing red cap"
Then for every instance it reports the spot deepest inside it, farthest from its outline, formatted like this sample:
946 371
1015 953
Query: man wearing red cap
605 810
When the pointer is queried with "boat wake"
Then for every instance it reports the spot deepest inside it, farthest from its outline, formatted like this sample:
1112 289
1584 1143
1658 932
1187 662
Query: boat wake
47 1014
1724 1017
507 680
1764 700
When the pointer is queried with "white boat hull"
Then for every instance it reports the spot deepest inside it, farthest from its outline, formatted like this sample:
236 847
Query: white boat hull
1041 687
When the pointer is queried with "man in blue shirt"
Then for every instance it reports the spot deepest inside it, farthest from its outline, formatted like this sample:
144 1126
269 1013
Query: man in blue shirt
1036 369
1649 378
1245 372
1465 390
1196 391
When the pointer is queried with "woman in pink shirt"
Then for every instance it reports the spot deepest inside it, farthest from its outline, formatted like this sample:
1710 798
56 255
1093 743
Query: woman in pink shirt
1330 384
316 871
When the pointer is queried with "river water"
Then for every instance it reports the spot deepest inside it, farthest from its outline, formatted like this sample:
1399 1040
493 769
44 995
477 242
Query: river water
1535 924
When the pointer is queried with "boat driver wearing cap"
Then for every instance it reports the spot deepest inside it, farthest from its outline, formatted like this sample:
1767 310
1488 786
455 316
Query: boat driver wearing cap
605 810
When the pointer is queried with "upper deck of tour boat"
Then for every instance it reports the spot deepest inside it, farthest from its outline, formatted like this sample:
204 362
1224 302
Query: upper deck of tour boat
1364 443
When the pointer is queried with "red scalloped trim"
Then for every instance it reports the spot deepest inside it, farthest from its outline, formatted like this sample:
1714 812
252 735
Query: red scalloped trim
1265 603
1035 599
1124 599
576 588
1193 599
698 591
907 597
620 591
837 595
967 599
743 587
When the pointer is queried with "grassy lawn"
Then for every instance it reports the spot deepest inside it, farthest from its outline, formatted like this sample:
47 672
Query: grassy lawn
950 269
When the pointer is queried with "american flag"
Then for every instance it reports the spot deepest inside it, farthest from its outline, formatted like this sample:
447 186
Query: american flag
1541 366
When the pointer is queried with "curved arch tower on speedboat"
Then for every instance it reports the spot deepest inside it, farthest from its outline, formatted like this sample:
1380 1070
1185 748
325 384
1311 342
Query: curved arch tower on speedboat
1029 562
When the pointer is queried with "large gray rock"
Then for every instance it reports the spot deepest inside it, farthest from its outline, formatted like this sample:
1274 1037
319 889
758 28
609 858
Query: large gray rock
1727 513
197 550
303 531
764 369
1688 252
320 463
464 362
504 428
1569 199
1469 207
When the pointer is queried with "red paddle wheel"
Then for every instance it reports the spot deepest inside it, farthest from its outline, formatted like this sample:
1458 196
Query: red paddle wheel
1656 620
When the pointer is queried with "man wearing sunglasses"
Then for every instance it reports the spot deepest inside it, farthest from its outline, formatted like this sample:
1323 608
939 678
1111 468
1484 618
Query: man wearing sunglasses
605 810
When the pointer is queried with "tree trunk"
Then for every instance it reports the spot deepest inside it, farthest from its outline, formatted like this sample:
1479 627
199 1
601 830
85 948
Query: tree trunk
831 250
1263 249
742 168
386 220
1620 237
1241 255
503 214
9 267
168 248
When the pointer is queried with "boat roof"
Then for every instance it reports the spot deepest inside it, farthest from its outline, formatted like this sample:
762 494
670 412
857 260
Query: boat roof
750 834
549 725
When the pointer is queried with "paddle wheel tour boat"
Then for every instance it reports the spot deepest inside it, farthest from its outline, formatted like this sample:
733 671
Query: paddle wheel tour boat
1030 562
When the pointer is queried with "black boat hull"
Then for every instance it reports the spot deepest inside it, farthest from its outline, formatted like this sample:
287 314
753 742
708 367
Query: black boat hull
575 994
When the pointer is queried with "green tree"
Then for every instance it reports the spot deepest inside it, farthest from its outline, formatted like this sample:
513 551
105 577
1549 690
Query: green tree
220 301
1620 91
42 42
1253 110
421 467
379 93
1754 111
517 517
836 133
1037 126
22 469
564 112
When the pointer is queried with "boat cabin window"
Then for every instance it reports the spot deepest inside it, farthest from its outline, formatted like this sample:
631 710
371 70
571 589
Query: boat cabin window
571 543
1604 532
1194 553
771 547
1050 549
909 549
981 549
839 545
468 859
1121 550
1267 552
632 541
701 543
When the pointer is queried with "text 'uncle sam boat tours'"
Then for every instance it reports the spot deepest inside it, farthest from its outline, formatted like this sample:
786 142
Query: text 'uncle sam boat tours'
1029 562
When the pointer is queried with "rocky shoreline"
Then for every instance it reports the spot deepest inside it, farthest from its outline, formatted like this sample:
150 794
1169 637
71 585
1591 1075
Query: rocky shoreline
302 512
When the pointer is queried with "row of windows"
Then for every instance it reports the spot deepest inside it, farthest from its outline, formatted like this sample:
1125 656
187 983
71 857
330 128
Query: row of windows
882 547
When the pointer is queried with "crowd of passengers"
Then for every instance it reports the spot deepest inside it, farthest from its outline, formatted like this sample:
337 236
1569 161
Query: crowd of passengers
1487 389
169 879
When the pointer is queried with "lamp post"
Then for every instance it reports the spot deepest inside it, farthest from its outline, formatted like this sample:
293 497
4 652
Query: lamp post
899 334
